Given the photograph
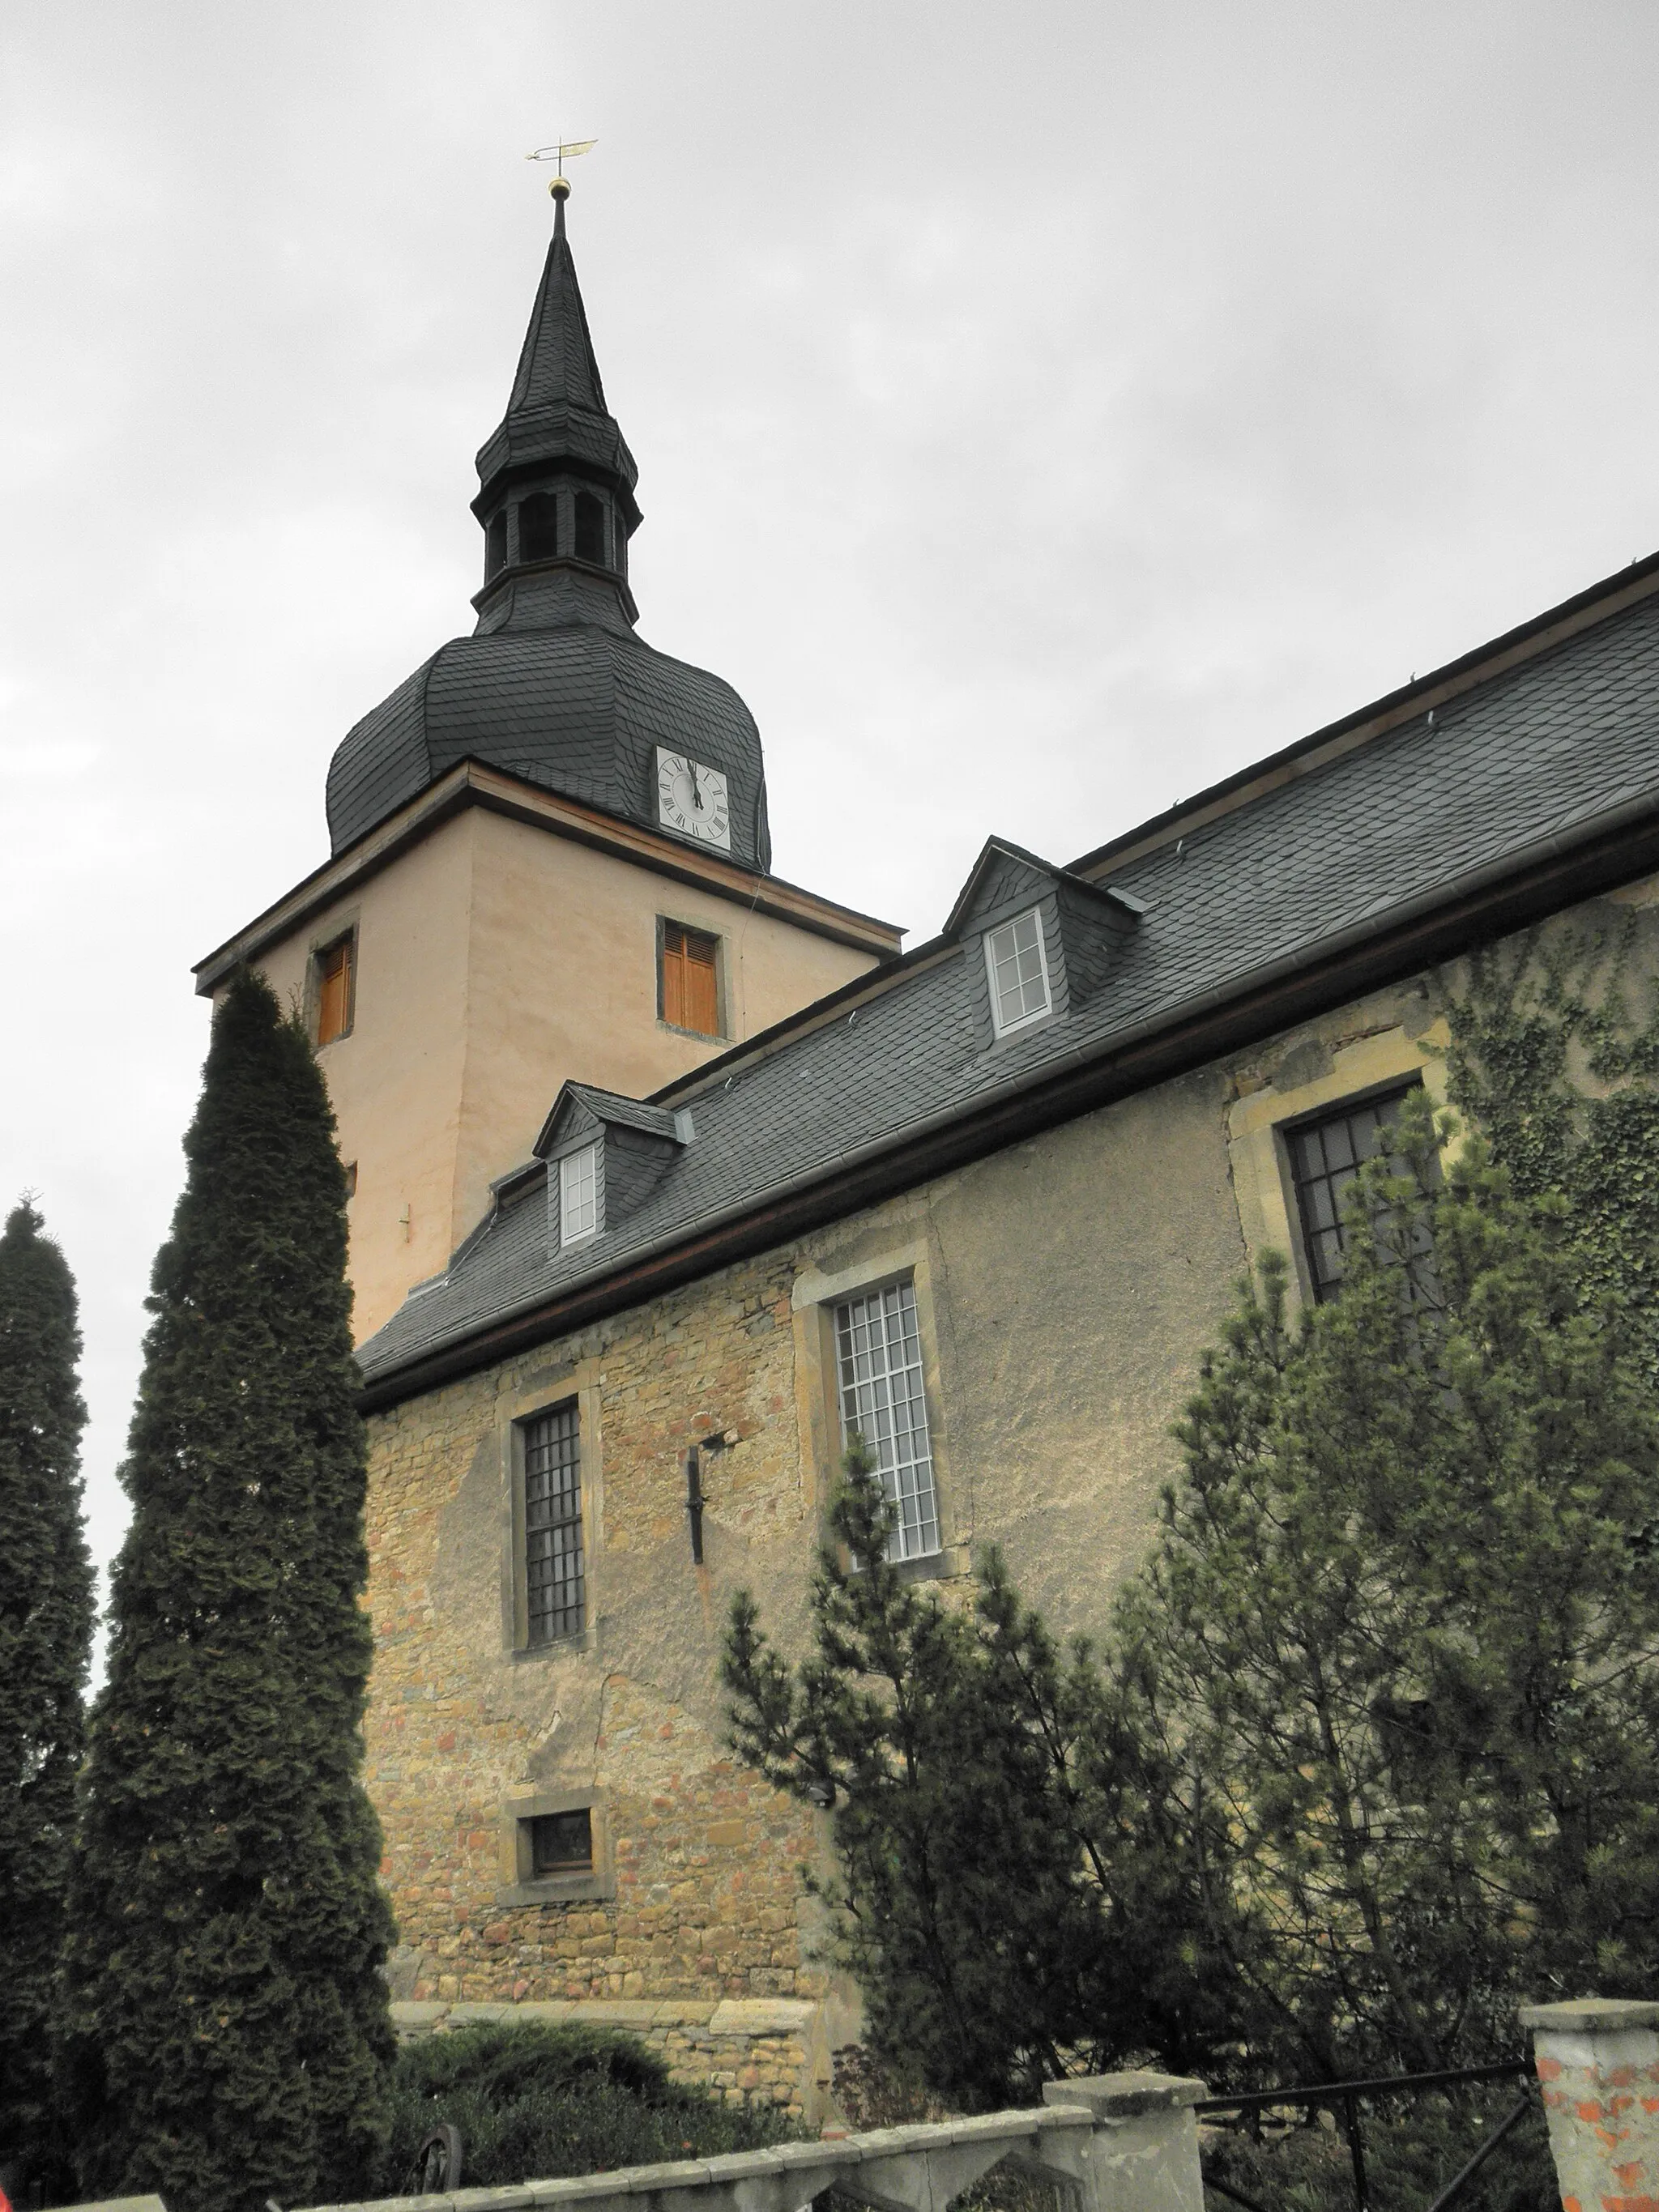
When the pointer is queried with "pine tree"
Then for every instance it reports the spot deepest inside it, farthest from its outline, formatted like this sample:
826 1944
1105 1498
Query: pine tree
46 1634
229 2030
1371 1751
1402 1630
982 1794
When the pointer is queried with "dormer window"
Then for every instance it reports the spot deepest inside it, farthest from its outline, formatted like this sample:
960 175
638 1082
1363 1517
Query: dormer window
579 1194
590 529
1016 963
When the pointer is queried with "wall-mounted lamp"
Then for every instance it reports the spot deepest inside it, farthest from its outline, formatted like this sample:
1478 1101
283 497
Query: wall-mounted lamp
721 1440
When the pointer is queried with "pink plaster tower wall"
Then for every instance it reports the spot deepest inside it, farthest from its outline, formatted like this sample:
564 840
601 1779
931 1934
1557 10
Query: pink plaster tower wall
1598 2063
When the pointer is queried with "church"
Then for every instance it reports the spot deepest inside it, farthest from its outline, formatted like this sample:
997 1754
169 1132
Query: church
668 1174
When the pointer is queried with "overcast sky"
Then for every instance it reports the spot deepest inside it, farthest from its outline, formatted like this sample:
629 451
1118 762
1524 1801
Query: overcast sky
1041 411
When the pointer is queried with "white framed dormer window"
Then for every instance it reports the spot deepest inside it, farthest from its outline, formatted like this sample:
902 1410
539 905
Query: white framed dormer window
579 1194
1016 963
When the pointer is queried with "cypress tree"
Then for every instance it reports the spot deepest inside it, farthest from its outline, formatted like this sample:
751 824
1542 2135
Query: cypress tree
46 1632
229 2031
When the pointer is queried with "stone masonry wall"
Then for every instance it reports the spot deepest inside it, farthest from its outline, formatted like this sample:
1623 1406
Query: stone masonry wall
748 2050
1066 1289
706 1861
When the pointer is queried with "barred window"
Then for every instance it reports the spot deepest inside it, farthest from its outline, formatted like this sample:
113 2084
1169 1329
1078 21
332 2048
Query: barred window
579 1194
1326 1156
555 1577
882 1400
561 1842
1018 968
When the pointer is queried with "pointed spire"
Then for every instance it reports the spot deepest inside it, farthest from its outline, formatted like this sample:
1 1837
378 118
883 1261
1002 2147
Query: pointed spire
556 412
556 367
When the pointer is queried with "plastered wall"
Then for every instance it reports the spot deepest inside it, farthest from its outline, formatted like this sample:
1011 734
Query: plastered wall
496 960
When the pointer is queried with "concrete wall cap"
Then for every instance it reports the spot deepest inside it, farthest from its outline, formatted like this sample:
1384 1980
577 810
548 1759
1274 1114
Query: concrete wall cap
1121 2096
761 2015
1591 2016
846 2153
123 2204
741 2165
670 2173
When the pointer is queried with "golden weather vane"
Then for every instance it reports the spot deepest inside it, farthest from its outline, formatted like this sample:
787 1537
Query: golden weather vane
566 150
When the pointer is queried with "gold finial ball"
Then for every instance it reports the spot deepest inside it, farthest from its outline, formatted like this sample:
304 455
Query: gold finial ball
560 188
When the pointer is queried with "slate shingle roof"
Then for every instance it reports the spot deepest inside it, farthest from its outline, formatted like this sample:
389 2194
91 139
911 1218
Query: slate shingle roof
1539 753
557 408
554 686
579 706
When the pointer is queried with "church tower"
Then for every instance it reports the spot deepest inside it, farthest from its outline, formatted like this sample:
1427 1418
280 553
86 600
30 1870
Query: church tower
550 856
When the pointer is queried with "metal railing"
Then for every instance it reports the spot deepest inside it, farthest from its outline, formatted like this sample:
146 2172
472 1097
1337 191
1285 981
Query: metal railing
1344 2099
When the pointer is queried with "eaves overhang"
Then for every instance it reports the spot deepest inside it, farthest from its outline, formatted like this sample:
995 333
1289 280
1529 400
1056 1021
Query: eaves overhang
1488 902
473 783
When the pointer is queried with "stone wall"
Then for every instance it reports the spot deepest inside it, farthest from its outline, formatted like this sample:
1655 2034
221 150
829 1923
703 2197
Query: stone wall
755 2051
1066 1287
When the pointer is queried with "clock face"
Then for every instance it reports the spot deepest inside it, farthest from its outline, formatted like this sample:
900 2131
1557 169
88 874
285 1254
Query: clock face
691 799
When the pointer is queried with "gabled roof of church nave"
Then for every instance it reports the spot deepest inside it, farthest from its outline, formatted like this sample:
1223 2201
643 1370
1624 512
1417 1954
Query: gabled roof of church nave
1521 779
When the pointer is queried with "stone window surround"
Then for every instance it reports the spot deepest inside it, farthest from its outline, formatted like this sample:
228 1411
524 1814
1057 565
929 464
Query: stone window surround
519 1883
1263 1185
814 1298
534 1394
342 923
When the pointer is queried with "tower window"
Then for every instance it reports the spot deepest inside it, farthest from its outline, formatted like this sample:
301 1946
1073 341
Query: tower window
333 973
590 528
495 544
538 526
688 980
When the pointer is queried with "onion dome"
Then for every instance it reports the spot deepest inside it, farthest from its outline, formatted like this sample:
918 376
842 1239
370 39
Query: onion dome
553 685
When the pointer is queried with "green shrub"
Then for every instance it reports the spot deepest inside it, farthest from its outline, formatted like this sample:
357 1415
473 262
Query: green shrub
534 2102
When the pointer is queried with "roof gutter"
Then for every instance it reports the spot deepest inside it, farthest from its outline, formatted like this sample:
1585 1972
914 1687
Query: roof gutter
1523 886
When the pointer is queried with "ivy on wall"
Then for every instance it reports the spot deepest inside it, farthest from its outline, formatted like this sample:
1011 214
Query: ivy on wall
1554 1054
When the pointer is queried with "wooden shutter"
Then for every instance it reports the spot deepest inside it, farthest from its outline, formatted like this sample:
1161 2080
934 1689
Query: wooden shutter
334 993
702 1011
691 995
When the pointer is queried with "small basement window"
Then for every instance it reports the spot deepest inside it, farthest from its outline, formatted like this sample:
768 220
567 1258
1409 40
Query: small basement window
1018 966
579 1194
688 981
561 1843
334 969
590 529
538 526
